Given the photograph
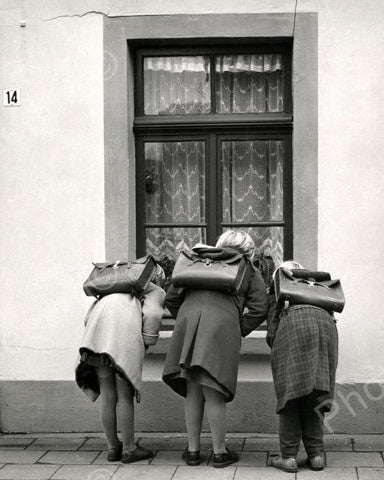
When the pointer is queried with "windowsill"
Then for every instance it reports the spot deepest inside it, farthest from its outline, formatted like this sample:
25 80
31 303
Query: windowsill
253 344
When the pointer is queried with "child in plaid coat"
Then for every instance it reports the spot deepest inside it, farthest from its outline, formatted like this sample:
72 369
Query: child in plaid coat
304 352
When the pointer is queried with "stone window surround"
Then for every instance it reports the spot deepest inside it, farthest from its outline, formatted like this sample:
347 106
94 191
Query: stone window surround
119 145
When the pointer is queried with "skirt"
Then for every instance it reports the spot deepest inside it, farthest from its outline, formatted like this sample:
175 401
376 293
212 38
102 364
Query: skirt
86 377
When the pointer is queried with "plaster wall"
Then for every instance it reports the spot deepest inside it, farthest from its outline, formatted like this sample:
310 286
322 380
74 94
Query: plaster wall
52 186
52 171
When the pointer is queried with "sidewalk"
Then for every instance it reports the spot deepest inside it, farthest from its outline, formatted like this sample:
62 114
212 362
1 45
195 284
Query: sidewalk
83 457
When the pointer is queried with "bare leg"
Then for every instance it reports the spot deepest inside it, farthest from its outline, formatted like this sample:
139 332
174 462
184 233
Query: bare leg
108 396
194 411
125 394
215 404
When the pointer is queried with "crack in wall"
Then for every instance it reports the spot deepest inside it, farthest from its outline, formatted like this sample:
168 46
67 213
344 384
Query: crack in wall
34 348
77 15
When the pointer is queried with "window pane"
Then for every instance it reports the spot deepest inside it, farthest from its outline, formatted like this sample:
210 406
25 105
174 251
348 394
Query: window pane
176 85
269 241
252 176
249 83
175 182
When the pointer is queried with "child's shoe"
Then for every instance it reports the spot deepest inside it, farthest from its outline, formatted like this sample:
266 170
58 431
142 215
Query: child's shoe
221 460
114 453
191 458
140 453
285 464
316 462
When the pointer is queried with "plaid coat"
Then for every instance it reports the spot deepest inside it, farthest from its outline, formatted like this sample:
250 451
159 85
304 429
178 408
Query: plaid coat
304 353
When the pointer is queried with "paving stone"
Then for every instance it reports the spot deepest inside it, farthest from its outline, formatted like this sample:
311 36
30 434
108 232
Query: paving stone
338 443
261 444
249 459
101 459
19 443
264 473
85 472
22 457
143 472
164 443
327 474
169 457
198 473
369 443
65 458
354 459
180 443
57 443
371 473
95 443
28 472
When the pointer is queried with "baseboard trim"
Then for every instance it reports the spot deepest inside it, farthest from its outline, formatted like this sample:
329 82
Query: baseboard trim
59 406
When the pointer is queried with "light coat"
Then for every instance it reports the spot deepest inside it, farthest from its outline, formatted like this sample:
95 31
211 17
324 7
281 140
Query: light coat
115 325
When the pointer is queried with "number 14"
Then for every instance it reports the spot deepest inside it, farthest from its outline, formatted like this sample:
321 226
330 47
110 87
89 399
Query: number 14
11 98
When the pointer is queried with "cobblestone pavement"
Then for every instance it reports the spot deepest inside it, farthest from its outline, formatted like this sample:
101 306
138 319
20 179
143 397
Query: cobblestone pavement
83 457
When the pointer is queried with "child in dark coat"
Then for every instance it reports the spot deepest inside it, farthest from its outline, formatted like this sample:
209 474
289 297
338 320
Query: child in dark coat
304 344
203 357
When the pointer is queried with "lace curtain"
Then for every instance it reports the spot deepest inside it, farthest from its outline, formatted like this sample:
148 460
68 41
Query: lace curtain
249 84
175 193
252 172
243 84
176 85
252 175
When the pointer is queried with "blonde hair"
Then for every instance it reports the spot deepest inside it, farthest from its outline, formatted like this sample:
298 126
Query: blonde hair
239 240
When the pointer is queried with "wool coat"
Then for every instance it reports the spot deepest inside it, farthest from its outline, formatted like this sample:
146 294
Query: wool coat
207 334
119 326
304 353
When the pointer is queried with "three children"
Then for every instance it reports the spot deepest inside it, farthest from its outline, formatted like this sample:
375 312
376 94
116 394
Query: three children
203 359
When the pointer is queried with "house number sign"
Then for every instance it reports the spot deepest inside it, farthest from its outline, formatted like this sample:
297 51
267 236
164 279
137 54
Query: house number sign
11 98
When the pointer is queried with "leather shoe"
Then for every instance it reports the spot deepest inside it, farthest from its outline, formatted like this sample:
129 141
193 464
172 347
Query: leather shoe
221 460
316 463
114 453
191 458
140 453
285 464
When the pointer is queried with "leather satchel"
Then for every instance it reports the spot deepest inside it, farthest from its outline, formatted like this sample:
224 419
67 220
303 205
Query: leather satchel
326 294
120 277
230 275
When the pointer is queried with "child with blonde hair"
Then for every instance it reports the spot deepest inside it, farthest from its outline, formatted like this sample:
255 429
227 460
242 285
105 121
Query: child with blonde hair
203 356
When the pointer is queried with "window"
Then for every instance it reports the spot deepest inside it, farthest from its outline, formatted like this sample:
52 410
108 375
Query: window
213 147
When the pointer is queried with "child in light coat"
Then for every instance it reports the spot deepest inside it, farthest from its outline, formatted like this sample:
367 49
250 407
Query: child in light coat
118 329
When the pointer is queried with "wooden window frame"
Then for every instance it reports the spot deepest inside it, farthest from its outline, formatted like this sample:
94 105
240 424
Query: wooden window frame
213 127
